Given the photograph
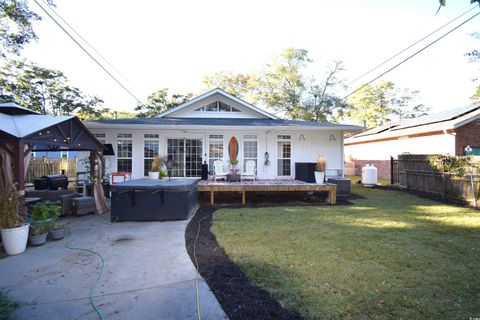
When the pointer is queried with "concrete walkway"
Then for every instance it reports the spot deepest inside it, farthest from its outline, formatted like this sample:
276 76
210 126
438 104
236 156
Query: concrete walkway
147 275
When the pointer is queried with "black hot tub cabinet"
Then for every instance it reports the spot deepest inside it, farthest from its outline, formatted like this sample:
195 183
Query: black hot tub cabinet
154 200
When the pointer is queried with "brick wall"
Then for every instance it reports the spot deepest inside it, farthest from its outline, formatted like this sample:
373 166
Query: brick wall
383 167
467 135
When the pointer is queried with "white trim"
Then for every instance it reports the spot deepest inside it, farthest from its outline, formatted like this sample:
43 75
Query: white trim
211 93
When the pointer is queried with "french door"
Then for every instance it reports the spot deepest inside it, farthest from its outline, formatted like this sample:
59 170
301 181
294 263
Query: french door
186 155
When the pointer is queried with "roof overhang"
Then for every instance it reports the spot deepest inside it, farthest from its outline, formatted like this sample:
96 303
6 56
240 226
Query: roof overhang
208 128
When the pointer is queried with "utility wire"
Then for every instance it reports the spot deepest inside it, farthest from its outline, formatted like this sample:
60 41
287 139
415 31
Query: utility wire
84 40
92 57
409 47
411 56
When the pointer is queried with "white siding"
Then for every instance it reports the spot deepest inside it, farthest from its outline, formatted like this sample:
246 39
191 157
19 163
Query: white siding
443 143
305 148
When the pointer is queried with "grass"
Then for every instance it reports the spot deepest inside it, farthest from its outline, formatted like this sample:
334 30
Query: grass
7 306
390 255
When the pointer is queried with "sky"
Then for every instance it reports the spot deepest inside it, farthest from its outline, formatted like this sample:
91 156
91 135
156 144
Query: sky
174 44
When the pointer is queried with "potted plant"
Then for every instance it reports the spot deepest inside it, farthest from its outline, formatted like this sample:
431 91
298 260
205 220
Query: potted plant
320 170
158 165
56 230
38 234
13 228
42 215
233 164
163 173
154 172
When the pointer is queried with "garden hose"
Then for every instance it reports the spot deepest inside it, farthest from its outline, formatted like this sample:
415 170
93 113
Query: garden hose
95 224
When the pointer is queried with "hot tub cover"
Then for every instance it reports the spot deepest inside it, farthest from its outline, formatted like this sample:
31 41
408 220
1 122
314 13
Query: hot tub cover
154 184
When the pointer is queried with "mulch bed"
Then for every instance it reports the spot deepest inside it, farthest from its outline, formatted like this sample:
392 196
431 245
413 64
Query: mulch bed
237 296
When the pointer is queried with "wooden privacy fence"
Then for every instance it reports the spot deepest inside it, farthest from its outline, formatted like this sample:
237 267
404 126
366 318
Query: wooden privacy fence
414 172
44 166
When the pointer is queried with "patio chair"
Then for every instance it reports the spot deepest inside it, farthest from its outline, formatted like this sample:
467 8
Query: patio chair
250 170
219 170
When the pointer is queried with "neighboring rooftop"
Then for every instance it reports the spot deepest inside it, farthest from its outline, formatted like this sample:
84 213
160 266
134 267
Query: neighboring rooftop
445 120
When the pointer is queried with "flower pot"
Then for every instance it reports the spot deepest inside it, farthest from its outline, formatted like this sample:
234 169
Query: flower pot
15 239
38 240
154 175
319 177
56 234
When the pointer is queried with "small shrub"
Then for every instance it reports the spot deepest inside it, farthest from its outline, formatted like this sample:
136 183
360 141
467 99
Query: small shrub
10 208
452 164
7 306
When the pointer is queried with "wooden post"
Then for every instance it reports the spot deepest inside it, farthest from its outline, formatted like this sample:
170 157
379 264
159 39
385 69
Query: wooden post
243 197
391 171
212 199
333 195
19 165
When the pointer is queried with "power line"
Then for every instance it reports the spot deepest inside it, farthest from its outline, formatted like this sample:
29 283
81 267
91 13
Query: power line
411 56
92 57
409 47
83 39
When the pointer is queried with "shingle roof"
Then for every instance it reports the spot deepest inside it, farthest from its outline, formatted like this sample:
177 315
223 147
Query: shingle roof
225 122
445 120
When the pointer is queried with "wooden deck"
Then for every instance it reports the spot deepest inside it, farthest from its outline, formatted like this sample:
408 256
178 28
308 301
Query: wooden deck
266 186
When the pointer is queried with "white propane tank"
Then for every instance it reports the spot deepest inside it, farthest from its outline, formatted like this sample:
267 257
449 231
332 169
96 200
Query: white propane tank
369 175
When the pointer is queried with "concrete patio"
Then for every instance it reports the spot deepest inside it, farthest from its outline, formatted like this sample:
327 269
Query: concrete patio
147 275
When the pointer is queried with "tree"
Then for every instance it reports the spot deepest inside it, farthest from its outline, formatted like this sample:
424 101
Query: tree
106 113
16 28
43 90
159 102
282 84
237 84
476 96
375 105
322 104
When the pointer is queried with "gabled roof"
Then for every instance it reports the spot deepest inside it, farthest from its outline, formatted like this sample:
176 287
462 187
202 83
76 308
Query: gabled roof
54 132
221 92
442 121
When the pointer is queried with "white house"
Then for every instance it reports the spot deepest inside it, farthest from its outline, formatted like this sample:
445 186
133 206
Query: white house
200 130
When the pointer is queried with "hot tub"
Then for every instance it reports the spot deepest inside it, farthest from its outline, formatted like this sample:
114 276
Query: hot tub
153 200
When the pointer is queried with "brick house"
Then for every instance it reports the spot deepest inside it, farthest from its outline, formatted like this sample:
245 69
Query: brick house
455 132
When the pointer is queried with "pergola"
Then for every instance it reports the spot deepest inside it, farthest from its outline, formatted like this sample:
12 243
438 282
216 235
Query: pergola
23 131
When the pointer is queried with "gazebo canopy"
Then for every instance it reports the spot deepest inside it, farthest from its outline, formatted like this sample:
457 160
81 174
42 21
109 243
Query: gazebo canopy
44 132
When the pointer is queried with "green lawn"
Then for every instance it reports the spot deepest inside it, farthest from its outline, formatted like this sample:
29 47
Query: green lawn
391 255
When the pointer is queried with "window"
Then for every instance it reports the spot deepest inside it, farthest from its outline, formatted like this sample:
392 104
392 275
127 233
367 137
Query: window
124 152
284 155
215 149
64 154
218 106
100 137
151 149
250 149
